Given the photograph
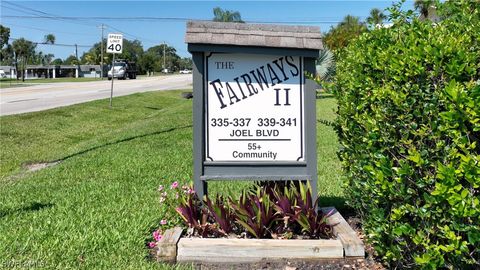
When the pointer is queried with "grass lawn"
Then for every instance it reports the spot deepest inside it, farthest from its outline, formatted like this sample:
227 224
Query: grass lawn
97 207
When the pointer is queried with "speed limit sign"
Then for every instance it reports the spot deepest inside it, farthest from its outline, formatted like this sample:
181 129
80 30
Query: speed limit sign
115 43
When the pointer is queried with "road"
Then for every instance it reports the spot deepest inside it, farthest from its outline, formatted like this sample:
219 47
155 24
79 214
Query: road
52 95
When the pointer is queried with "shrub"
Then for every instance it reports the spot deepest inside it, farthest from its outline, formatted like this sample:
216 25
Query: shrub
409 125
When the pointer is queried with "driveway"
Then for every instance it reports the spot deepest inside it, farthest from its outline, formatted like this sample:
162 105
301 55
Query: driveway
52 95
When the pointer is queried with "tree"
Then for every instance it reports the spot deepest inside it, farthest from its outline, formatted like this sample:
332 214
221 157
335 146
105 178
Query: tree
376 17
6 52
71 60
348 29
47 59
325 66
132 51
37 58
146 63
6 55
4 35
23 49
49 39
171 60
423 7
57 61
185 63
221 15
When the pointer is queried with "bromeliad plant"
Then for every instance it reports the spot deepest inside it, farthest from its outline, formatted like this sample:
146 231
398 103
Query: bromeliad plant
268 211
255 213
284 201
196 216
222 214
313 222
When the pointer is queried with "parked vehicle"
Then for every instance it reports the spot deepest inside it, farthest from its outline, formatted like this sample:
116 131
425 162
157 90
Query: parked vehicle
123 69
185 71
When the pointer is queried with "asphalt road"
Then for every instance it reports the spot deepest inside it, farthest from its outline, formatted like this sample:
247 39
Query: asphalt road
52 95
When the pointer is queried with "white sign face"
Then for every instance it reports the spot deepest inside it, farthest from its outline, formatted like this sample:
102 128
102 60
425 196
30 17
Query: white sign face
115 43
254 108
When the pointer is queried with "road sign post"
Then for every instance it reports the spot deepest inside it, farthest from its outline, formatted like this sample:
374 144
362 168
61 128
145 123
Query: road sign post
113 76
114 45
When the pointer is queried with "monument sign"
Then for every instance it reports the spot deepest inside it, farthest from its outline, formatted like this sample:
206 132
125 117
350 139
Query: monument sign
254 111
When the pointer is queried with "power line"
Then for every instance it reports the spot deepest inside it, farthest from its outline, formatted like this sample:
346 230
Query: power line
28 10
56 44
47 30
174 19
45 15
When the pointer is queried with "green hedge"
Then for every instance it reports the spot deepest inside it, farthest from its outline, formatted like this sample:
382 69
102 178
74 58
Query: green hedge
409 124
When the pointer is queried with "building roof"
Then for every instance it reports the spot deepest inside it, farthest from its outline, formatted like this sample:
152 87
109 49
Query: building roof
86 68
263 35
7 68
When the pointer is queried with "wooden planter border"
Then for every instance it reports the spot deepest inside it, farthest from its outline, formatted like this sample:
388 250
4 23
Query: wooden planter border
172 248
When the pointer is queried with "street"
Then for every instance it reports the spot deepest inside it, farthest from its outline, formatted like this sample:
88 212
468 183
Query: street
52 95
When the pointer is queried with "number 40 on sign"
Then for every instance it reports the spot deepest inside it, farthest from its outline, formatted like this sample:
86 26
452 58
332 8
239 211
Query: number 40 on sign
115 43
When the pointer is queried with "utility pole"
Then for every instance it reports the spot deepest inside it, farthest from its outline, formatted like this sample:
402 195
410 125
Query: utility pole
101 59
76 52
78 61
113 79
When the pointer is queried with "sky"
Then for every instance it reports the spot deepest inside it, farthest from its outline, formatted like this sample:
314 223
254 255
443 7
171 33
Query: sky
165 22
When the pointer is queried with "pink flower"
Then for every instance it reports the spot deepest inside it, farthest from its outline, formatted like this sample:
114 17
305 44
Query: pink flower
176 195
162 199
163 222
157 236
160 188
164 194
191 191
174 185
152 244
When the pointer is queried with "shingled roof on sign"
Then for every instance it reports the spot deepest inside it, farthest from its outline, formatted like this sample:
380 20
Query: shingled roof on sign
262 35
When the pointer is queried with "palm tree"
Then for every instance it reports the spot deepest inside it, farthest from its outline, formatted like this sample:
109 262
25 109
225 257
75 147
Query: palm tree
350 20
49 39
23 49
38 58
423 6
221 15
339 36
325 65
47 58
376 17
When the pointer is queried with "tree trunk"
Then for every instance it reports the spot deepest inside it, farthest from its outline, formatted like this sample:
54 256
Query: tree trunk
24 67
16 66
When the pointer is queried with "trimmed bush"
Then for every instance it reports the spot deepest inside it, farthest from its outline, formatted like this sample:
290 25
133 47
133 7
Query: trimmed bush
409 123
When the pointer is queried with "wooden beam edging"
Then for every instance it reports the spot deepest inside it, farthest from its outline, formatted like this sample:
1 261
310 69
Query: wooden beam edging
352 245
167 246
224 250
171 248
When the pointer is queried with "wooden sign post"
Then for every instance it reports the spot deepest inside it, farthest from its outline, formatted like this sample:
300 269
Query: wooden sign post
254 111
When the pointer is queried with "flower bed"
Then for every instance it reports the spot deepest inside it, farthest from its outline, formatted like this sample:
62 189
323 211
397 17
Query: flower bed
175 248
266 223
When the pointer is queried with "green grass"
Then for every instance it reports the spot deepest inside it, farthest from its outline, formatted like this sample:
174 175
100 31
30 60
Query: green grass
98 206
330 177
